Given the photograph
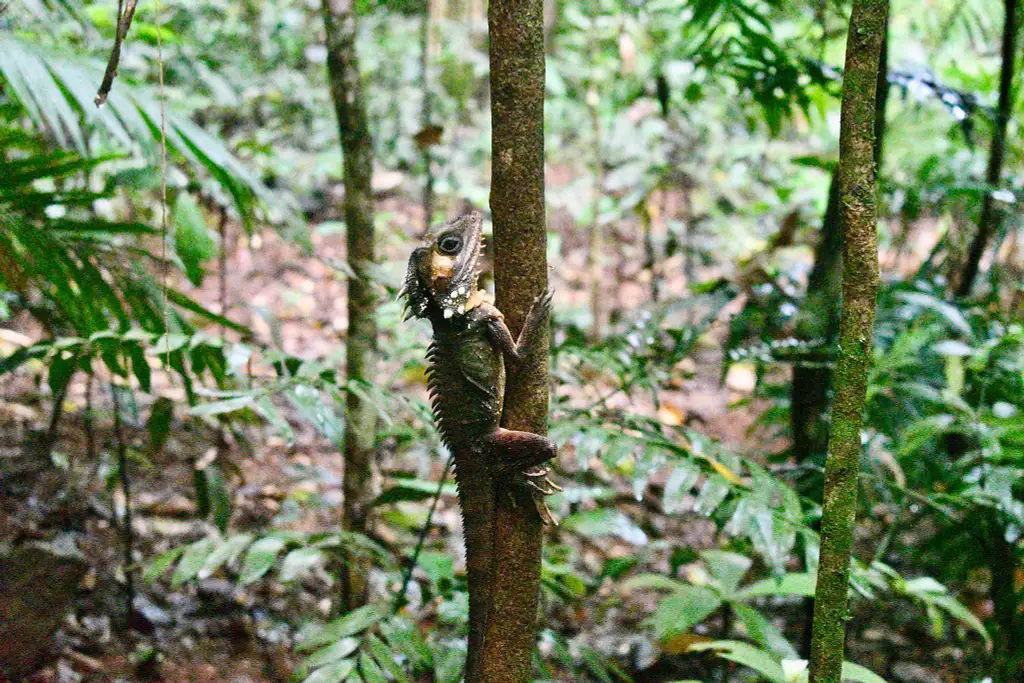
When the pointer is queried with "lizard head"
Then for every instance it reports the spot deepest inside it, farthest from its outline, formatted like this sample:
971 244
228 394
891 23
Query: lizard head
442 273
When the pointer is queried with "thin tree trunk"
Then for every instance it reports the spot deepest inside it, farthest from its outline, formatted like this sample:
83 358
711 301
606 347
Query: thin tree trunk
520 240
127 528
360 417
990 215
858 204
595 250
819 319
428 180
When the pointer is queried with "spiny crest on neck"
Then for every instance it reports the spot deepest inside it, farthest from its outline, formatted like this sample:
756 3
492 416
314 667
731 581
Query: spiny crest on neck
443 271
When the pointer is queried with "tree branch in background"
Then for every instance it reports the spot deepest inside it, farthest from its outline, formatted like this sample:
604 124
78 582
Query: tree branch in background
424 138
357 147
520 266
127 528
859 207
989 214
125 14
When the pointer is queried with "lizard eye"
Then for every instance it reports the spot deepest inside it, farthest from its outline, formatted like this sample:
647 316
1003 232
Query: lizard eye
449 245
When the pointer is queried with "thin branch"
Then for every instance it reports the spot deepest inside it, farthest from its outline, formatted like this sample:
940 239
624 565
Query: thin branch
990 212
424 532
125 14
127 532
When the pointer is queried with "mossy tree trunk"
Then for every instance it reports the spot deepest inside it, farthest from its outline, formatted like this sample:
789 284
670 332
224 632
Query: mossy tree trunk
819 318
990 215
520 239
858 212
357 148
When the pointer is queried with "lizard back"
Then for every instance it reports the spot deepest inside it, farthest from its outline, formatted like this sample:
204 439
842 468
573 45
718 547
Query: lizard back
467 382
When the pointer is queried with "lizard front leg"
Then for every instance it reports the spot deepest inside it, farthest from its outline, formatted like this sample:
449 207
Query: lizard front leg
519 350
523 464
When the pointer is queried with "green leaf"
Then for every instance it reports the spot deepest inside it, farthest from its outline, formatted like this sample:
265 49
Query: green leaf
62 368
747 655
683 609
652 582
794 583
140 366
726 568
615 567
192 561
260 558
405 638
449 663
336 672
606 522
356 621
192 239
385 656
859 674
339 649
167 344
182 301
372 671
225 553
950 313
229 405
159 423
763 632
220 497
300 561
162 563
677 487
412 490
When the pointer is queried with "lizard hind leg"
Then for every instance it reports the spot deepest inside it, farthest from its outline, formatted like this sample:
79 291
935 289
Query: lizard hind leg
517 461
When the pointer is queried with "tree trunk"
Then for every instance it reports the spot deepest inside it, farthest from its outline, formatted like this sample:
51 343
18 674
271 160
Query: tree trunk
819 319
520 264
357 148
989 214
858 204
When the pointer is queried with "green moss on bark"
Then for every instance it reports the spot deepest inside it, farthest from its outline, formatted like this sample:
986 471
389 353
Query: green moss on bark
858 207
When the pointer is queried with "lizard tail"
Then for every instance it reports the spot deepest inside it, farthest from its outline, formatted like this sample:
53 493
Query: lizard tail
476 498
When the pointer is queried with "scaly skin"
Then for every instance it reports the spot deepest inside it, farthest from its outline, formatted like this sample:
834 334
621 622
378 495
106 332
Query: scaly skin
467 386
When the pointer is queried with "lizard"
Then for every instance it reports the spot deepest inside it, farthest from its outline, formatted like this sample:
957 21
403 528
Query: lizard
466 383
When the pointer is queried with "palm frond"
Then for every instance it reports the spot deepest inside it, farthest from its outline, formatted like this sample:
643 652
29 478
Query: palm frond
56 93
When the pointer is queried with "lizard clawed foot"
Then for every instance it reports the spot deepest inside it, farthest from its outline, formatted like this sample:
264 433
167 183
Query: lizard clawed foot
538 483
542 304
537 479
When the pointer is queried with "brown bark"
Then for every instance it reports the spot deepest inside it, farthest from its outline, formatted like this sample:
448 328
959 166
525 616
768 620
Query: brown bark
858 204
357 148
990 215
520 239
